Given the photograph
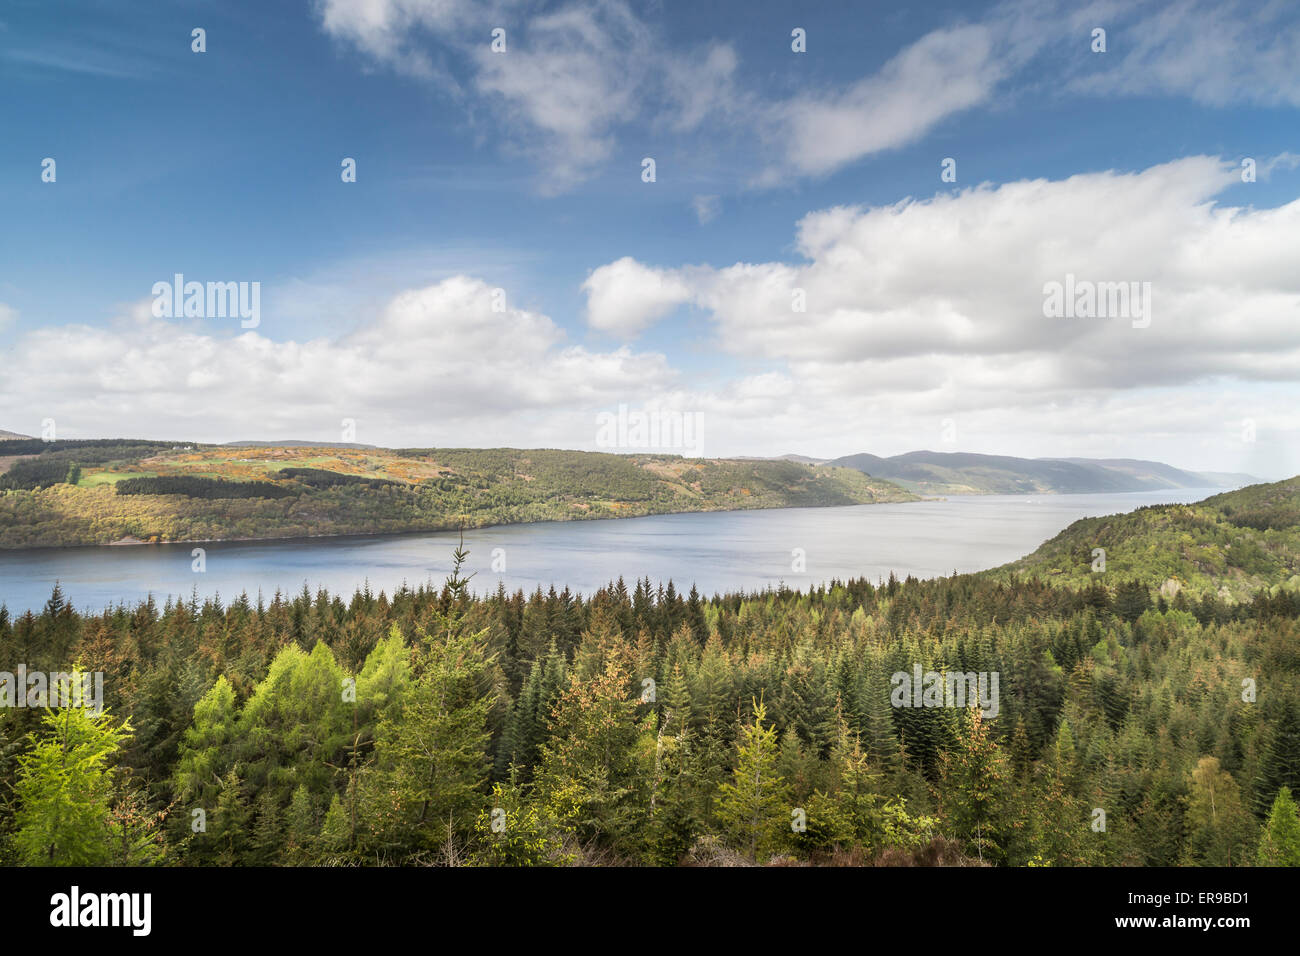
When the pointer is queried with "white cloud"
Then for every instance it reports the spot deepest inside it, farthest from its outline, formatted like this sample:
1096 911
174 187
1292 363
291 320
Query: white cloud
8 315
934 308
1217 52
390 31
706 208
624 297
963 275
941 74
574 78
436 366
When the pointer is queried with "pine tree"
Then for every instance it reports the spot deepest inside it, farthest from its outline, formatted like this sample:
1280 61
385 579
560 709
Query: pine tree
430 770
594 774
753 806
856 799
879 736
227 827
1280 843
677 792
268 834
974 775
300 827
1280 763
136 831
430 758
806 703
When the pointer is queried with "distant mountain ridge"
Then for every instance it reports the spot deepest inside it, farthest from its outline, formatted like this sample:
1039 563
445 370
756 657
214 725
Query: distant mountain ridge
968 473
801 459
294 443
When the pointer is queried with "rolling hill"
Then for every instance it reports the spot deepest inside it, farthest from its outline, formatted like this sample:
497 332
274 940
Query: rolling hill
965 473
97 492
1235 544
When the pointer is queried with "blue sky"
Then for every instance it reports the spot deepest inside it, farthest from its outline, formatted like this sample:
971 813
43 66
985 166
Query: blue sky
522 171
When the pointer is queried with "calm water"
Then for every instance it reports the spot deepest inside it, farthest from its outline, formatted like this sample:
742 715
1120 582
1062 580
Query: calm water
722 551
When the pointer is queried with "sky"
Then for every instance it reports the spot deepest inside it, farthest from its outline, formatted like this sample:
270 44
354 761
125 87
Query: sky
857 217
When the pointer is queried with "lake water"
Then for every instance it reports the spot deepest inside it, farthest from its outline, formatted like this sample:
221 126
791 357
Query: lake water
718 552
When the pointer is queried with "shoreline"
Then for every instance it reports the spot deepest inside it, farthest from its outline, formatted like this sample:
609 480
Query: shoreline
56 564
135 542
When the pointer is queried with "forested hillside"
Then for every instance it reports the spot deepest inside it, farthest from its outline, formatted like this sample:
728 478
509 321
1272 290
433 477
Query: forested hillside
644 726
97 492
1233 544
966 473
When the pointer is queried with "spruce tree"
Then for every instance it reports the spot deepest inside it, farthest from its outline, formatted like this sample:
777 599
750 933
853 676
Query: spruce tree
1279 845
753 806
1280 762
594 775
974 777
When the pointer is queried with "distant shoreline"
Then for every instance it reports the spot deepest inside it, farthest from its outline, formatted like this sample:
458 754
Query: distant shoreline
130 541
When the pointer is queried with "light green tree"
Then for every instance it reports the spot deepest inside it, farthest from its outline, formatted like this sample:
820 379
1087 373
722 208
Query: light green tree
1280 843
430 769
1218 823
753 806
66 790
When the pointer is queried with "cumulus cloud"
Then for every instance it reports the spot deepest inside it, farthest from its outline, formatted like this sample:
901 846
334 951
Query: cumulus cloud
963 275
437 365
915 313
624 297
935 307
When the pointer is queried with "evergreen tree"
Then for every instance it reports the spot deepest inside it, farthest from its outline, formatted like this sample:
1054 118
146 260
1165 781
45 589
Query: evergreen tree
1219 826
66 792
856 798
430 764
1280 843
974 775
1280 763
515 831
753 806
594 775
227 828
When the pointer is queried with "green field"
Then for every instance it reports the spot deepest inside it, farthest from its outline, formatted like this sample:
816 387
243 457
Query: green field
112 477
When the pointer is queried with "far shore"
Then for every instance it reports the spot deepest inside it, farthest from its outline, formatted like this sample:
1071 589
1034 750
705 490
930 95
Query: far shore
130 541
